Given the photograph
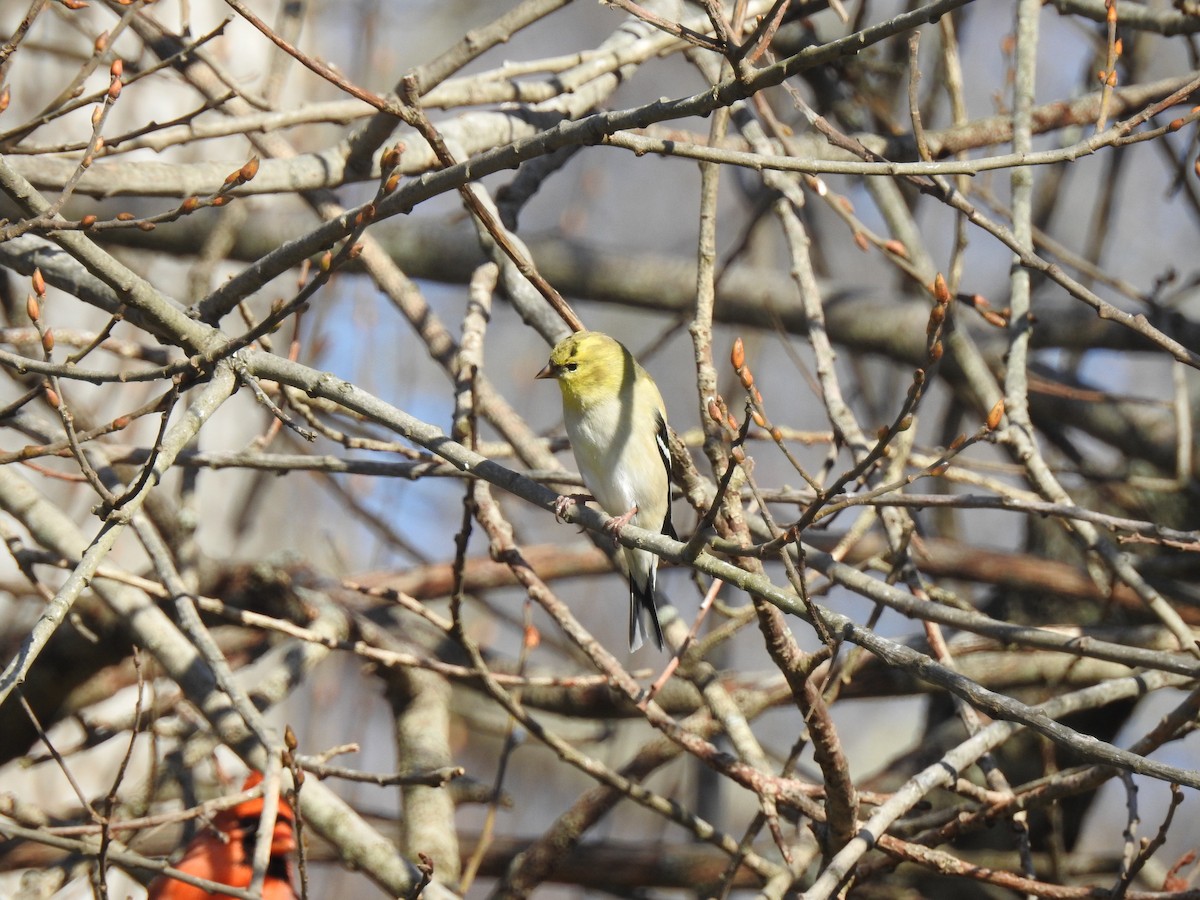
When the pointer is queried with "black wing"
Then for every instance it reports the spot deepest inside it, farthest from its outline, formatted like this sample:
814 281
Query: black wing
662 439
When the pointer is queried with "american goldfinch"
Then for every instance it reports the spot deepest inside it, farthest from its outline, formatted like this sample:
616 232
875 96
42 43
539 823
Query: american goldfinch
224 853
617 426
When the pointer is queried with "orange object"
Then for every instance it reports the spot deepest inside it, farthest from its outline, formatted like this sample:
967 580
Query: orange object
225 853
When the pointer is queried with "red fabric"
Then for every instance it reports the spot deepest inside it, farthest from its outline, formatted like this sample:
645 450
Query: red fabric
224 853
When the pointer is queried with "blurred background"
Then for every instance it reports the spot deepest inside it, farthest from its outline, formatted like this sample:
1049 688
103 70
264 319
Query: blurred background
321 533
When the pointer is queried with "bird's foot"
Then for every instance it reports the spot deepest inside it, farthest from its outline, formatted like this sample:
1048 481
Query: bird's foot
566 501
614 525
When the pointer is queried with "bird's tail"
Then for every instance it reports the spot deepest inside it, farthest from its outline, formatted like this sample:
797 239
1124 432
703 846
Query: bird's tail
642 571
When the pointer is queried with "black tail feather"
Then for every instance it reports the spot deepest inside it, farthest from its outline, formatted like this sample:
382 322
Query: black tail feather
641 605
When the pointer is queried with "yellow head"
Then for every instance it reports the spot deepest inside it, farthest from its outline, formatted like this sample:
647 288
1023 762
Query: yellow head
590 366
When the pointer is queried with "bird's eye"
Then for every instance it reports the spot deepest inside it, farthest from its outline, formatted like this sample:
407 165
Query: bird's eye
571 367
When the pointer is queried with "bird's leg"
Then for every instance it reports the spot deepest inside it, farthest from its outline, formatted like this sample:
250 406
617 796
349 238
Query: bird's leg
566 501
614 525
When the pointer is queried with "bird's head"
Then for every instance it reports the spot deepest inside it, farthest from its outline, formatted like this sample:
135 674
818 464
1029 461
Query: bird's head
589 364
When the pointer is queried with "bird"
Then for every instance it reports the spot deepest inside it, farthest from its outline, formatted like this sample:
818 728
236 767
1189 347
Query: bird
617 425
225 852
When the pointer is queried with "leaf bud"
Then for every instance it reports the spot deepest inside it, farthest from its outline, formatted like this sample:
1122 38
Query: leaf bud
714 410
994 414
88 221
249 170
737 355
937 315
994 318
391 157
39 283
47 340
32 308
941 292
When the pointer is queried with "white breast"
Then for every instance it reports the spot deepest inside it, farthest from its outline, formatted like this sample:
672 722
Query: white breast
604 440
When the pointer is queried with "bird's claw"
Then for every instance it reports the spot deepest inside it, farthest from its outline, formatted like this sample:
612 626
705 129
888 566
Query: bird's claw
614 525
565 502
